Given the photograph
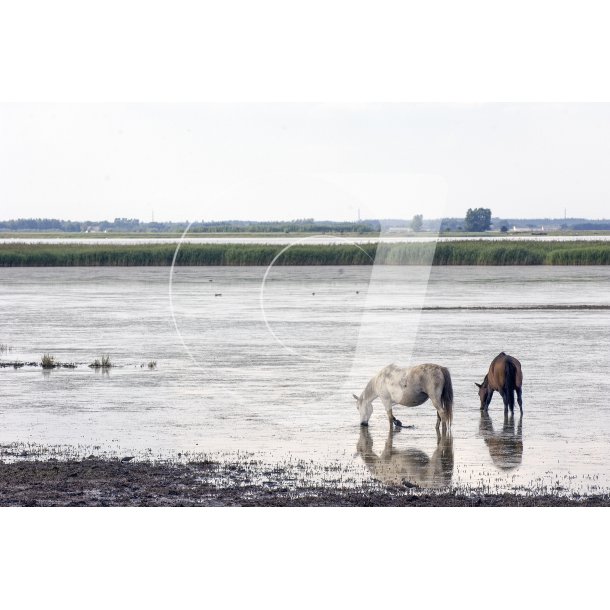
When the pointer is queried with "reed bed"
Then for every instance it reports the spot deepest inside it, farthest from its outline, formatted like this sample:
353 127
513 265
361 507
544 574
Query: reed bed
446 253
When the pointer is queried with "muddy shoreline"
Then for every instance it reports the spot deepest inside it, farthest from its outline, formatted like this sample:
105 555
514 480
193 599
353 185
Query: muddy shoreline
96 481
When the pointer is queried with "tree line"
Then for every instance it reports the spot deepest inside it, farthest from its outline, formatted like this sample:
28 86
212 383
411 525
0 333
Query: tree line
134 225
476 220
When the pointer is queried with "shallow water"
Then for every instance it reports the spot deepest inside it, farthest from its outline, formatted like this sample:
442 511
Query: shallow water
225 384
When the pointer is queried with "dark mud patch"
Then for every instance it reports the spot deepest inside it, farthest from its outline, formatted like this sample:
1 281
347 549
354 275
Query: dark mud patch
115 482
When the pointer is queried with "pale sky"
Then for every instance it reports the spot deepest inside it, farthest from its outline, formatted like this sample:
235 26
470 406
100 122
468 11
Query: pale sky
269 161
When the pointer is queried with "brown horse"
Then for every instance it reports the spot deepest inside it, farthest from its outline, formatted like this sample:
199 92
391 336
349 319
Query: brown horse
504 376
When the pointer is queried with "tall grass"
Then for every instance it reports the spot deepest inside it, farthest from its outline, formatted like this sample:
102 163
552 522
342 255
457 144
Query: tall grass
445 253
47 361
104 363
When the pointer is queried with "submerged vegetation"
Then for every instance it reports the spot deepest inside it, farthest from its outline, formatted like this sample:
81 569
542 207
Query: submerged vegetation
104 363
47 361
480 252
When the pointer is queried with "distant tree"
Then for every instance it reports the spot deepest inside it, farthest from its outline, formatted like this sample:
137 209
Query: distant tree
478 219
417 223
504 229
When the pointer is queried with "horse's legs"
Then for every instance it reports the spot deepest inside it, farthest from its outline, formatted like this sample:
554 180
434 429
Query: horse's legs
520 400
387 403
510 397
505 400
438 405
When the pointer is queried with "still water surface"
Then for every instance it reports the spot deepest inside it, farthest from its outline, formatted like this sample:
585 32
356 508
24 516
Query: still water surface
225 384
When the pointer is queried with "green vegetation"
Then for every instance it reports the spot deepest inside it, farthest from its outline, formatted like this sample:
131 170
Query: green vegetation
417 223
70 255
478 219
522 253
475 221
481 252
104 363
47 361
134 225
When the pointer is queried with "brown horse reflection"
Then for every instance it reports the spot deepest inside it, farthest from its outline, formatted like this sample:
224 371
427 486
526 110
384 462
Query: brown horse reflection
408 466
505 447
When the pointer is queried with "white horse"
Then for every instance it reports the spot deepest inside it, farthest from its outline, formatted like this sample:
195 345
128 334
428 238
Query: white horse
408 387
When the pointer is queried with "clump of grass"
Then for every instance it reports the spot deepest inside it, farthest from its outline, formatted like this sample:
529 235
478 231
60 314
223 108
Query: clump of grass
5 348
152 364
47 361
104 363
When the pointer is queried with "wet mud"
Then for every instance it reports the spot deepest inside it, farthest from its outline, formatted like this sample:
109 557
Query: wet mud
102 481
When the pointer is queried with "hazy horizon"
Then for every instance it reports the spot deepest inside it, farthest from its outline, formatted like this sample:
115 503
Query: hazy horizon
270 162
286 220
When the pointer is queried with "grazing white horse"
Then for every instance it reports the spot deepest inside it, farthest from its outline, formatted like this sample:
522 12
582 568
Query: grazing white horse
409 387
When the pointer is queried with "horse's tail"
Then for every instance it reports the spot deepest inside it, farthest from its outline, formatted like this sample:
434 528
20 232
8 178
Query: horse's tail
510 382
447 395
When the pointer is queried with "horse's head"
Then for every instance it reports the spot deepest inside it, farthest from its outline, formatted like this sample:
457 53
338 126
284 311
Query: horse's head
365 409
483 391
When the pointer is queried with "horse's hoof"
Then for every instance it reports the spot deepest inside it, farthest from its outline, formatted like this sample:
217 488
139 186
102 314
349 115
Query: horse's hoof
364 424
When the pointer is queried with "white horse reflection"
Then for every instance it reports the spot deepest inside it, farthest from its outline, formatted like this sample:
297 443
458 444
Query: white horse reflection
408 466
505 447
